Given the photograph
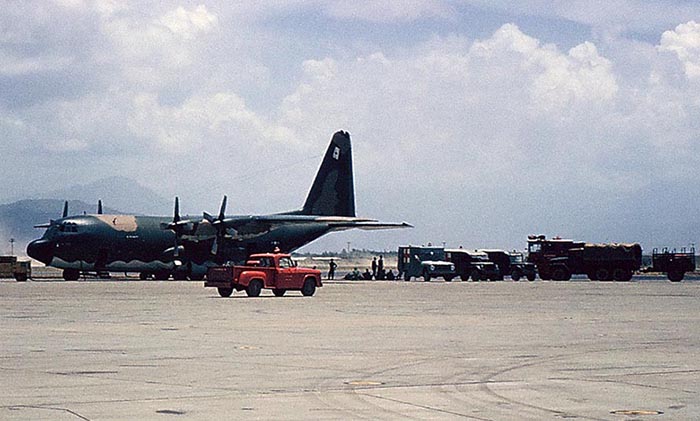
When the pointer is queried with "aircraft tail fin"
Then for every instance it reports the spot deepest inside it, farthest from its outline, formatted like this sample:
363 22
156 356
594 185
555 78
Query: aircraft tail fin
333 191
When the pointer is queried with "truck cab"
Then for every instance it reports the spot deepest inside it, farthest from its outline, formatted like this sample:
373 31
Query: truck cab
275 271
474 264
512 264
672 262
428 262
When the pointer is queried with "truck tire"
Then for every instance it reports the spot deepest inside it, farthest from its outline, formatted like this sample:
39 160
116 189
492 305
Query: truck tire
225 292
309 287
622 275
675 276
254 288
144 276
449 278
279 292
406 277
531 277
545 276
20 277
515 275
603 274
476 275
561 273
426 276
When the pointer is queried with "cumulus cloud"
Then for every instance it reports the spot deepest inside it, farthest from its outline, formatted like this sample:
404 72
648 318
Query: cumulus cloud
485 125
684 41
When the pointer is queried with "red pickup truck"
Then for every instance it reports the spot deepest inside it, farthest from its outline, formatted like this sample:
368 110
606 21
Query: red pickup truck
275 271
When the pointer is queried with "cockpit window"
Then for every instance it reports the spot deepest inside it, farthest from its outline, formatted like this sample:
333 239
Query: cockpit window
68 227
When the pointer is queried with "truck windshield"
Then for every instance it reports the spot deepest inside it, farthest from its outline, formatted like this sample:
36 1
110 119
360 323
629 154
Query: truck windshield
534 247
286 262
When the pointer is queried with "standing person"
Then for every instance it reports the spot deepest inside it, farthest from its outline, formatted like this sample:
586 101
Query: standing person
331 269
380 264
374 267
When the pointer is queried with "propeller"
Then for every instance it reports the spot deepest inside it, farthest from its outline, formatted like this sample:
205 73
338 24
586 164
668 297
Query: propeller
179 226
219 224
65 209
99 207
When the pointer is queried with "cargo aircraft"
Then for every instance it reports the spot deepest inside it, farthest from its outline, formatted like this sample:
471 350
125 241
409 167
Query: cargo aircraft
184 247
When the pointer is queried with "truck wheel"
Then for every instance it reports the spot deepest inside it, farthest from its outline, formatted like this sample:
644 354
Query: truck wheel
476 276
531 277
675 276
20 277
309 287
406 277
515 275
279 292
545 276
144 276
225 292
426 276
592 275
602 274
561 274
622 275
71 274
254 288
448 278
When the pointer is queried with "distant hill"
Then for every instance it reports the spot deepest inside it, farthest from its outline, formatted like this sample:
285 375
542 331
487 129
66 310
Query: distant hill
17 219
117 192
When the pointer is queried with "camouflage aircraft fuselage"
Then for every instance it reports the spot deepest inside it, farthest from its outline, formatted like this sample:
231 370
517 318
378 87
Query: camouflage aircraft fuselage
125 243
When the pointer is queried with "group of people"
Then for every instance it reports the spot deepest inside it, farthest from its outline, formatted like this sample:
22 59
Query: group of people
378 272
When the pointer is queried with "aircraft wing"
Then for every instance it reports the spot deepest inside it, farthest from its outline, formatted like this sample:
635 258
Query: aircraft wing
336 223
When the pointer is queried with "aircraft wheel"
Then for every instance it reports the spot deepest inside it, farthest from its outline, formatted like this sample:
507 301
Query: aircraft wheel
144 275
162 275
279 292
180 276
515 275
71 274
225 292
309 287
254 288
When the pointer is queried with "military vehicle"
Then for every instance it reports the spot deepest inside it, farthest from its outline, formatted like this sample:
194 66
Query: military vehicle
10 267
512 264
275 271
184 247
558 259
474 264
673 263
428 262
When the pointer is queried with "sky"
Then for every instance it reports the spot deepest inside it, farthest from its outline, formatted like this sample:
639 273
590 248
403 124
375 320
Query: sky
479 122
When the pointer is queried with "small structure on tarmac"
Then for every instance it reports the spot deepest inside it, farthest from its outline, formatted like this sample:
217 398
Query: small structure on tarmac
10 267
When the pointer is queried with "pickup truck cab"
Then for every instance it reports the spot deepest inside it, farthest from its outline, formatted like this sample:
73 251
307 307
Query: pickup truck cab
275 271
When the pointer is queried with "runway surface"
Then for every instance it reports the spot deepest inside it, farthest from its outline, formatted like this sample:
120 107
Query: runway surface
99 350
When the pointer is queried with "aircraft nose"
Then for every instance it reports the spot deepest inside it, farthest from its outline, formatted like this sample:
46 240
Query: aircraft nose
41 250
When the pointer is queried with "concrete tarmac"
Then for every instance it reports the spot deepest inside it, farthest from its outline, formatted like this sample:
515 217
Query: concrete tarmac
102 350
